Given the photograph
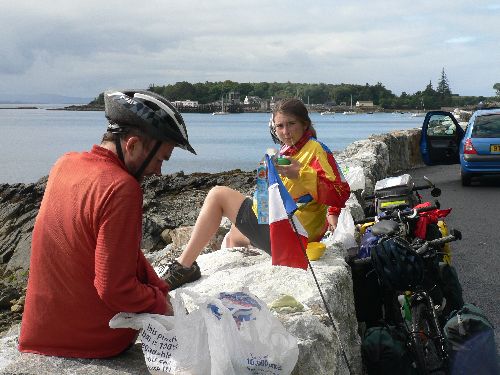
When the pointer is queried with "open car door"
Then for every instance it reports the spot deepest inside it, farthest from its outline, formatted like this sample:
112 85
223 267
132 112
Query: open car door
440 139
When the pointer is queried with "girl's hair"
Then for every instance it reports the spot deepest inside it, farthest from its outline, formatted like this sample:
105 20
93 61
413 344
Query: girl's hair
296 108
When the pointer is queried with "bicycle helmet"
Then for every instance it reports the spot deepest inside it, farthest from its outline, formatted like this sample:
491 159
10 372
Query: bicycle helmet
147 111
397 265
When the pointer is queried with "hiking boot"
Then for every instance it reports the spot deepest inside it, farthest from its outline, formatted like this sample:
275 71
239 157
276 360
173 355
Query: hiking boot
178 275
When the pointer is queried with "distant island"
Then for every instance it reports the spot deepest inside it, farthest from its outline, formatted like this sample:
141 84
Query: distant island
209 97
34 99
83 107
235 97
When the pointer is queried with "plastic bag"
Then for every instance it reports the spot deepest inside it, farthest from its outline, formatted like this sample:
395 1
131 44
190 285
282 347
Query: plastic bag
230 334
344 233
171 344
355 177
245 338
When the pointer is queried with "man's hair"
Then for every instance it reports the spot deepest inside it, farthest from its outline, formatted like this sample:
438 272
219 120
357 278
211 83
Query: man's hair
128 131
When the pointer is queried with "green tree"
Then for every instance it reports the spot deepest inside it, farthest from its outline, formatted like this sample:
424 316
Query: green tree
443 90
496 87
99 100
429 98
443 86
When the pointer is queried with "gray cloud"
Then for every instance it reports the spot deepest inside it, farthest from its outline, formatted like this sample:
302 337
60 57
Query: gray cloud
77 48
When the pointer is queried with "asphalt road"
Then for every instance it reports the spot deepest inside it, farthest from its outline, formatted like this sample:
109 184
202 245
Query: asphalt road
476 213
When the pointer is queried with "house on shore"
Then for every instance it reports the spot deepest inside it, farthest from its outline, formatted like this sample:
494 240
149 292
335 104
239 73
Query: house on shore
186 103
364 104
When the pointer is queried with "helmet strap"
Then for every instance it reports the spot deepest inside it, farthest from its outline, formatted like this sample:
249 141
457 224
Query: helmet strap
118 146
144 165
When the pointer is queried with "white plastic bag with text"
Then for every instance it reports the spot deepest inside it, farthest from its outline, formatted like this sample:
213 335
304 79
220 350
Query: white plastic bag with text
244 337
171 344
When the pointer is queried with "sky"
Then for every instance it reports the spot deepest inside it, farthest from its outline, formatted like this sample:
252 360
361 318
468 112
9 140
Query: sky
81 48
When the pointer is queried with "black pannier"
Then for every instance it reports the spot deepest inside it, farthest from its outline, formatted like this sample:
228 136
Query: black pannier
392 192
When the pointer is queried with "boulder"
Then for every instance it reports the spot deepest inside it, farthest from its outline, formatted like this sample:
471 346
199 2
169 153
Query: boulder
319 342
180 237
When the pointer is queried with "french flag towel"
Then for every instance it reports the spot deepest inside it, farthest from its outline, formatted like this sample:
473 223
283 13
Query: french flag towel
286 246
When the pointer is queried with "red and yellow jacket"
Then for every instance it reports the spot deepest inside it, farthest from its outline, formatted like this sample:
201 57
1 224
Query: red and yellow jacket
320 186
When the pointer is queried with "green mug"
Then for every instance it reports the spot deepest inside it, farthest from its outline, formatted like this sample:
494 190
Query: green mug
283 161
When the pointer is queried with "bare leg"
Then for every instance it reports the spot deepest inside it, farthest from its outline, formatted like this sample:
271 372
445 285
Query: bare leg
220 201
236 238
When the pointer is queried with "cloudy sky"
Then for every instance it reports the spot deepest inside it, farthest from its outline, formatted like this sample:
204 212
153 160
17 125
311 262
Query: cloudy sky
80 48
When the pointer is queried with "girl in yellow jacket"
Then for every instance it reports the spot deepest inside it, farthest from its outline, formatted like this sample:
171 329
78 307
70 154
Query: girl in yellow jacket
312 178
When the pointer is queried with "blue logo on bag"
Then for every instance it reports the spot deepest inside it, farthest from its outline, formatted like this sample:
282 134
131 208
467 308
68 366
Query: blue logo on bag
241 305
239 299
215 310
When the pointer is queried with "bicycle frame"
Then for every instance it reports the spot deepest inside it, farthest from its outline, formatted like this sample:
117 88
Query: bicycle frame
439 340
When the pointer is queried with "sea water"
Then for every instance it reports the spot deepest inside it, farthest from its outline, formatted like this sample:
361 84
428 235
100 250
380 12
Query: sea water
31 140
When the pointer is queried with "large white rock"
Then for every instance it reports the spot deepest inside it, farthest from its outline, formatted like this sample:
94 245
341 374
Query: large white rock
319 343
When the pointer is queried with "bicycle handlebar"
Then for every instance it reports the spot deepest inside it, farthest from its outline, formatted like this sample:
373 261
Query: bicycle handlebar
422 249
397 214
422 187
437 242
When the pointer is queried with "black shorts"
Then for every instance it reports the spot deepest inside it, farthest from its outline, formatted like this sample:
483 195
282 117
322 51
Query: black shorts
247 223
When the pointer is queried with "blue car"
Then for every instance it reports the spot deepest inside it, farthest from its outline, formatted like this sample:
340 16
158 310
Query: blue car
477 149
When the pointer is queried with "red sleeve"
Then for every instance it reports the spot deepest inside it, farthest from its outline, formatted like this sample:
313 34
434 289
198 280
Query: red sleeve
149 275
123 278
334 211
332 188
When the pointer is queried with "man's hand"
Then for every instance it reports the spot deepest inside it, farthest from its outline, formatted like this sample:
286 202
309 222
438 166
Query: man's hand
170 309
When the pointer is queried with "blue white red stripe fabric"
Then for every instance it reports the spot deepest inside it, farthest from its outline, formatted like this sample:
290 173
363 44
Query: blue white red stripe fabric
286 246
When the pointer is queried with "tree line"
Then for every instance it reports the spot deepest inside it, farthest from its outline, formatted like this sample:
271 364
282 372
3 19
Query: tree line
319 93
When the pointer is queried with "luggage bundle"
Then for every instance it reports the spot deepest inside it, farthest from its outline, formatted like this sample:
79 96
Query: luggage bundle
384 351
368 298
471 340
394 192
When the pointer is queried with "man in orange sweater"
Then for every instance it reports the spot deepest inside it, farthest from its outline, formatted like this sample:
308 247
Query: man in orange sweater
86 262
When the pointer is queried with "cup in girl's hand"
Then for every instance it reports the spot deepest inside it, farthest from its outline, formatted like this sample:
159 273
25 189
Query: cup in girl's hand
283 161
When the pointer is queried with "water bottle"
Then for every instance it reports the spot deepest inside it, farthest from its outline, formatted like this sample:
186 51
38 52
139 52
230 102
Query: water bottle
261 194
405 307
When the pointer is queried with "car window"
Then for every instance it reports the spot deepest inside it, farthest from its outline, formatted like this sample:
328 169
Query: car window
486 126
441 125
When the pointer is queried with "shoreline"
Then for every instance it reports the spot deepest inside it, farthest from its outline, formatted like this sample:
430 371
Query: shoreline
313 108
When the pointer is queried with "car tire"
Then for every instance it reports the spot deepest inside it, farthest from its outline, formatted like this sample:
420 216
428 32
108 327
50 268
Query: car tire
466 178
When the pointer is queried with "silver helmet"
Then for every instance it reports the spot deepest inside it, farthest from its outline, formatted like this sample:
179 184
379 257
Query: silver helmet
150 112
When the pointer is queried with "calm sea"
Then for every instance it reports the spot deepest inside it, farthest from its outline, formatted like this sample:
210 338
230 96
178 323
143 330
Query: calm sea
31 140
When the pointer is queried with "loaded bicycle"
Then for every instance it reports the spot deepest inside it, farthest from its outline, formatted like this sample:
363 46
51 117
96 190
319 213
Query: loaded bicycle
407 270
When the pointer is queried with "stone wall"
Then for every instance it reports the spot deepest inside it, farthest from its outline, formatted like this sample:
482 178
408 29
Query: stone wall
229 270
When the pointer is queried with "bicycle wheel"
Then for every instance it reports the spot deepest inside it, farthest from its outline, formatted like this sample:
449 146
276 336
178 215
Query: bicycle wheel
427 355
